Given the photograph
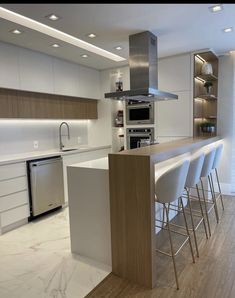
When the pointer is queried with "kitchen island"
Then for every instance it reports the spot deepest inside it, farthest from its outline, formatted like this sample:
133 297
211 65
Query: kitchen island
125 184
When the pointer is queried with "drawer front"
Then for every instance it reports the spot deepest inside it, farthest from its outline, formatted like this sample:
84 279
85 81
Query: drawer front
14 215
13 185
12 170
14 200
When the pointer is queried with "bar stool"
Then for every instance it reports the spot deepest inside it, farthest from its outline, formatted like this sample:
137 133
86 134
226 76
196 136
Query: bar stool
192 180
169 187
217 159
206 170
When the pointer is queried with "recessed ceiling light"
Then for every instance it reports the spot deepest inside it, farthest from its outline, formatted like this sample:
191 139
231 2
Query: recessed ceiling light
55 45
91 35
16 31
216 8
226 30
84 56
53 17
57 34
118 48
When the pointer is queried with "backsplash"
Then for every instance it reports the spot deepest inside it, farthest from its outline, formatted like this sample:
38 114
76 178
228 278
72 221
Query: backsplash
18 136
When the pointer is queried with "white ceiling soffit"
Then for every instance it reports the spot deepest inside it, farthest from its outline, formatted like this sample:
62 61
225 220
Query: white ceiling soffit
180 28
52 32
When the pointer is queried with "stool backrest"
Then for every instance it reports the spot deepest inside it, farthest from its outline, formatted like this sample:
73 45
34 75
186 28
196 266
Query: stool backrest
195 169
170 185
218 155
208 162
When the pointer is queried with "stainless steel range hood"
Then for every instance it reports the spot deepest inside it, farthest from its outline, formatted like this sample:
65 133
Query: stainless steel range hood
143 71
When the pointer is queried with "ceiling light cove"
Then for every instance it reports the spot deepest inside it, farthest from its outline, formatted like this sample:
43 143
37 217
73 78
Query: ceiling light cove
59 35
227 30
216 8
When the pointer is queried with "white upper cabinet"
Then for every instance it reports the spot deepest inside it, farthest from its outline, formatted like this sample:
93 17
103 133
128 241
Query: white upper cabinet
29 70
174 73
65 78
9 74
35 70
89 82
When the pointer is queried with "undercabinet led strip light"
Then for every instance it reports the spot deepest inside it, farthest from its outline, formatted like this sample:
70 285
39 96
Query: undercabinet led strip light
42 28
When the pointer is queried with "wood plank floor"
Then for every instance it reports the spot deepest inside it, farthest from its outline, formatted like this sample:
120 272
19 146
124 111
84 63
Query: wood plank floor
212 276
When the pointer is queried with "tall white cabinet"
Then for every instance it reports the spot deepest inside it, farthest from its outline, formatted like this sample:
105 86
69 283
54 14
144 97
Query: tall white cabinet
174 118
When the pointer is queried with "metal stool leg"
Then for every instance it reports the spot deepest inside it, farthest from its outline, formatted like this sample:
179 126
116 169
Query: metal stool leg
172 249
192 220
214 200
200 204
204 199
221 197
186 225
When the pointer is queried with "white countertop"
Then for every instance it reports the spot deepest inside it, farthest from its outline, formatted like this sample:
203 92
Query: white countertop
99 163
12 158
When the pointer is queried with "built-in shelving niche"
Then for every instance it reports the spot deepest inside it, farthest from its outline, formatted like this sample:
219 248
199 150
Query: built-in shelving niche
204 105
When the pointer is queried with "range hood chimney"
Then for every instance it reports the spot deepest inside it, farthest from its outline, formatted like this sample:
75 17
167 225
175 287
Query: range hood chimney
143 71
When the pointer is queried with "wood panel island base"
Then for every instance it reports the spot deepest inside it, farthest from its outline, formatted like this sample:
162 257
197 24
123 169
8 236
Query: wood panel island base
132 206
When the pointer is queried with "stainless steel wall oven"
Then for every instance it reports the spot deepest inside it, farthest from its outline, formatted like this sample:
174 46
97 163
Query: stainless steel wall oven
136 136
139 112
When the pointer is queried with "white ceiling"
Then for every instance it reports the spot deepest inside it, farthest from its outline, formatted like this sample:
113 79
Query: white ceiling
179 27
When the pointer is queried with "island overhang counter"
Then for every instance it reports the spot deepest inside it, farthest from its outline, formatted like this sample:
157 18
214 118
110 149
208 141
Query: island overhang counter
112 207
132 205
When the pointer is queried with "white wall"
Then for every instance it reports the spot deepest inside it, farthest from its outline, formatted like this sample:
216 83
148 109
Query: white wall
17 136
226 95
24 69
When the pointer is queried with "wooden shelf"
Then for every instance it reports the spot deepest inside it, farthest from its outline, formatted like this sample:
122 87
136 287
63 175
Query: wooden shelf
210 77
206 96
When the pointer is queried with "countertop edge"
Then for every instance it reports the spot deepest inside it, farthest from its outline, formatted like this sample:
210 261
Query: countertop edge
48 153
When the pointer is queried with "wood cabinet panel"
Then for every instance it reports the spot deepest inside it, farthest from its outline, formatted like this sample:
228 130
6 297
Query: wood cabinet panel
34 105
8 104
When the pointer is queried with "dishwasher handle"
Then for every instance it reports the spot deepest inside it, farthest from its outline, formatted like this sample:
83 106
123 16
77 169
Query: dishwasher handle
45 162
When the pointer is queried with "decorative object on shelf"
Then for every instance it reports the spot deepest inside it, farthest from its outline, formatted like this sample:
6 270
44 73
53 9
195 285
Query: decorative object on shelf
119 119
207 127
119 86
206 69
208 85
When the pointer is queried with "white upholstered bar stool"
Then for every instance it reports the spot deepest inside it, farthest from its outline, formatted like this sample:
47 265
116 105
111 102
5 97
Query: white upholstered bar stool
169 187
192 180
206 170
218 154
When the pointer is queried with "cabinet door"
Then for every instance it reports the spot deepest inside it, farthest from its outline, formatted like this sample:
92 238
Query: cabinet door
174 116
9 70
39 106
174 73
8 104
36 72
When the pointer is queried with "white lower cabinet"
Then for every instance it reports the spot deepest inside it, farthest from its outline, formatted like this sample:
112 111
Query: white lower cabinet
80 157
14 199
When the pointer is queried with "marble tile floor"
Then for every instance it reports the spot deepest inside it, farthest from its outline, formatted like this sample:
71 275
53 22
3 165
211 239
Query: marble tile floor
36 262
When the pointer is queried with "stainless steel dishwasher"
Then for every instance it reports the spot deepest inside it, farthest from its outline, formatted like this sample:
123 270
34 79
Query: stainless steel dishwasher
46 185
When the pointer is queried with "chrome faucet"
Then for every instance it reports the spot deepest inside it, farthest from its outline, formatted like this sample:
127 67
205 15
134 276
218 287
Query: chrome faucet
60 135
